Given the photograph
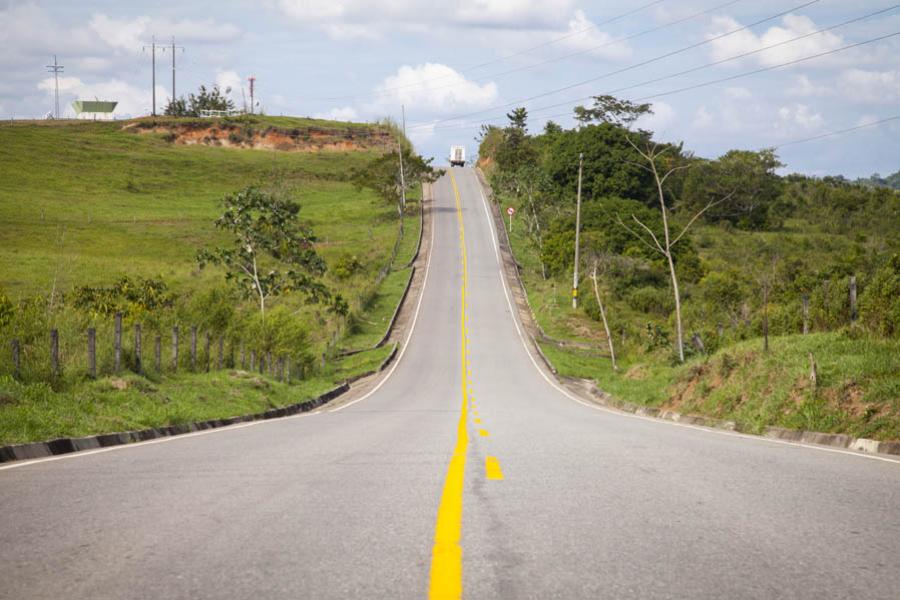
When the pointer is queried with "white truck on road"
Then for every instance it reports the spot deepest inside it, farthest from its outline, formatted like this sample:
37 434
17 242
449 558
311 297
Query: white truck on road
457 156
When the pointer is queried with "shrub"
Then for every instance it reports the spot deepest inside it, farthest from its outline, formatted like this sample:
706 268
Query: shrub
346 266
651 300
879 305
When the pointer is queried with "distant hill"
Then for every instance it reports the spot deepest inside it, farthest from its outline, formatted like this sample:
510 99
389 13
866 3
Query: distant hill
876 180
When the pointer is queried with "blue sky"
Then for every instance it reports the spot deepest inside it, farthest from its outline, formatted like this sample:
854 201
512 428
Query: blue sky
362 59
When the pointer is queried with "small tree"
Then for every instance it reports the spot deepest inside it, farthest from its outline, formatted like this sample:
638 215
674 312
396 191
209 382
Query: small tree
206 99
599 262
655 157
271 252
383 174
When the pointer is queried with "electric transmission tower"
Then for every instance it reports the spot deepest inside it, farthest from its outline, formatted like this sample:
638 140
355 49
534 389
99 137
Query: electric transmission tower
56 69
153 62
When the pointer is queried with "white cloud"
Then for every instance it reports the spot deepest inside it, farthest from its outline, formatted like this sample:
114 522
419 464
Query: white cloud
434 88
663 116
346 19
746 41
130 35
511 13
805 87
343 113
586 37
873 87
798 118
133 101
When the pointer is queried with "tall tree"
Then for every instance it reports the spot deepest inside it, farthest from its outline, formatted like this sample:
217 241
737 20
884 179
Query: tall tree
662 169
271 253
609 109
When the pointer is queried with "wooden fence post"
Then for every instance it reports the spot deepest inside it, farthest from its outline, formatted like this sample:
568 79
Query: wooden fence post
138 367
207 346
221 353
14 346
92 352
54 352
252 360
270 364
175 349
117 342
287 374
193 349
157 351
805 300
243 358
853 311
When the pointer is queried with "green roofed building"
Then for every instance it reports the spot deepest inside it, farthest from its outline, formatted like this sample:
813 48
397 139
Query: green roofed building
94 108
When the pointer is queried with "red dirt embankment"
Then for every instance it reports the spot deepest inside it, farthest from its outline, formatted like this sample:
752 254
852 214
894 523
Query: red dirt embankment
299 139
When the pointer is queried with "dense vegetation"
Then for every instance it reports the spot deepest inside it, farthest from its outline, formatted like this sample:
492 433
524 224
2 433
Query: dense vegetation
759 259
100 219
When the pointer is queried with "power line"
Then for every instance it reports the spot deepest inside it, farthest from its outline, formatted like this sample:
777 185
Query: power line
719 62
722 79
506 56
838 132
56 69
571 54
628 68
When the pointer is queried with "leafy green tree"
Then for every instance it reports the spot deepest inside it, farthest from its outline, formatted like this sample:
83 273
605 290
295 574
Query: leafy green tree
518 119
517 149
383 174
750 179
271 252
611 166
609 109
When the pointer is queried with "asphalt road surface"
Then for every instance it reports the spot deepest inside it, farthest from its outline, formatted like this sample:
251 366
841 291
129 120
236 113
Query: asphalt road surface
466 472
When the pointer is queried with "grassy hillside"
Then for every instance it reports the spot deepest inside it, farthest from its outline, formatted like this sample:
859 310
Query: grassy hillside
84 203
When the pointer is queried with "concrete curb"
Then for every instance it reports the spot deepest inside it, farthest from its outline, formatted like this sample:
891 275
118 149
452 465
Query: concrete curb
415 256
577 385
69 445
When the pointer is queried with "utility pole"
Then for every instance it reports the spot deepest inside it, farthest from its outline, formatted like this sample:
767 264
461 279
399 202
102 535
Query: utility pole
173 49
153 62
403 113
252 82
402 180
577 233
56 69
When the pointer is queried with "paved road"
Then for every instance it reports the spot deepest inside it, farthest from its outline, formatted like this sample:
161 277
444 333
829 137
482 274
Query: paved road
368 501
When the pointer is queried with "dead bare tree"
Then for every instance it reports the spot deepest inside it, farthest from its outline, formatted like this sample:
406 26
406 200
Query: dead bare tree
609 338
652 154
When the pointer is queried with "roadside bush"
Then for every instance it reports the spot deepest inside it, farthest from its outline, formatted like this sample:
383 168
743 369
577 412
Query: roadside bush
879 305
651 300
346 266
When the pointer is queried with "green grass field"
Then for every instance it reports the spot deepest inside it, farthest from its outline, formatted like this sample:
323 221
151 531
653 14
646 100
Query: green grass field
83 203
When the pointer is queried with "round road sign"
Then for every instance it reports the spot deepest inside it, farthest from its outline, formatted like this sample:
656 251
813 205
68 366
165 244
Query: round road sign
510 211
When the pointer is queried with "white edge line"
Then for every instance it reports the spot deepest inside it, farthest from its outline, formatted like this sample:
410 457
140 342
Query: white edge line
412 327
566 393
82 453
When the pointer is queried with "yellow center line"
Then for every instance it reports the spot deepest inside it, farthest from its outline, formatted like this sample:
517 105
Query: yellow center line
446 556
492 468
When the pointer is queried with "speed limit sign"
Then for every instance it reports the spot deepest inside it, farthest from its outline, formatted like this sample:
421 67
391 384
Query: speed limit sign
510 211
